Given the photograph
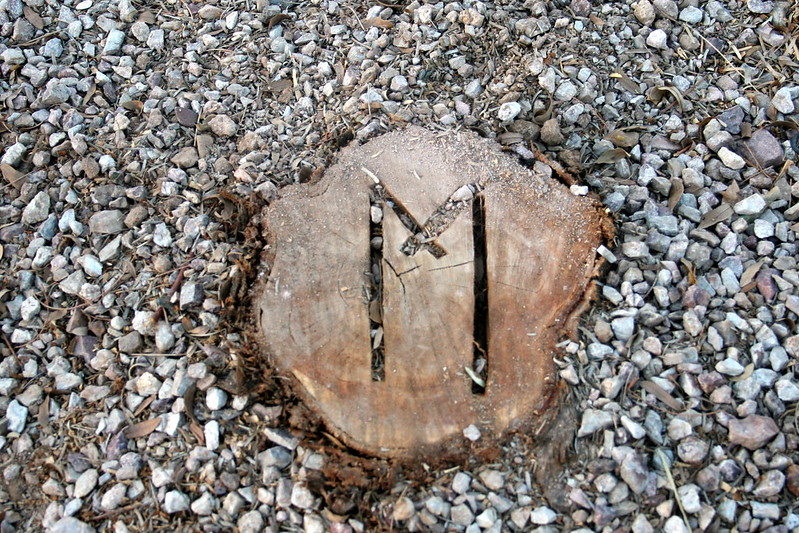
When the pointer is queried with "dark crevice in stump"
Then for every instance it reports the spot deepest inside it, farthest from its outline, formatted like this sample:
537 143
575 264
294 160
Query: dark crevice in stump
480 330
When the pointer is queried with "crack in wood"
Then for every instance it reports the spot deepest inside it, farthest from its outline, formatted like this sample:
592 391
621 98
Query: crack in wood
480 328
375 292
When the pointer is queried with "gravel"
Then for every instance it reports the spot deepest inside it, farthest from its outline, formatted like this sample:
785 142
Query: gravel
138 144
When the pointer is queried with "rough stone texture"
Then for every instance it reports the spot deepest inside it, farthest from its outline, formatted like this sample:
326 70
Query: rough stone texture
752 432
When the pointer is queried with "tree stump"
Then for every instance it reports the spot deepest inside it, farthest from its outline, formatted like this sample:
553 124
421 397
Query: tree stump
420 286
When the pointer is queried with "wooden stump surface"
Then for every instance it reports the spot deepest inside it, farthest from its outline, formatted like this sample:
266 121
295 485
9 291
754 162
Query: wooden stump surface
314 319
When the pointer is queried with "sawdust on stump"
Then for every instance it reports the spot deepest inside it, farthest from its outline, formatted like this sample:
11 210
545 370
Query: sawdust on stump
420 286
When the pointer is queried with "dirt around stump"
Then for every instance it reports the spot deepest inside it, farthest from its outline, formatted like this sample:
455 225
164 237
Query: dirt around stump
420 286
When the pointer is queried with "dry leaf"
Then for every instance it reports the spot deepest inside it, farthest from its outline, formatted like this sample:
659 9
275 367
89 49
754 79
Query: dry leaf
750 273
134 105
611 156
657 94
142 429
55 315
623 139
274 20
89 94
730 196
198 433
33 17
748 370
626 82
147 16
658 392
144 405
14 177
43 416
378 22
675 193
714 216
689 266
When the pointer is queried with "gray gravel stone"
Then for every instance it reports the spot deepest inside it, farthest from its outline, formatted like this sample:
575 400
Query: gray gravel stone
13 155
37 209
751 205
113 41
492 479
223 126
594 420
461 515
634 472
107 222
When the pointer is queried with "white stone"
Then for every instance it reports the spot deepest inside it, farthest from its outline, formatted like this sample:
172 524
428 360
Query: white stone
657 39
204 505
471 432
782 101
509 111
543 516
147 384
30 308
113 497
211 432
164 338
85 483
215 398
161 236
787 390
143 322
731 159
16 416
751 205
729 367
175 502
251 522
37 209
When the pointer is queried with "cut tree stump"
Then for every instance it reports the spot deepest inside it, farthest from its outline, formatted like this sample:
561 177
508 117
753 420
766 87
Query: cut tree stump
420 286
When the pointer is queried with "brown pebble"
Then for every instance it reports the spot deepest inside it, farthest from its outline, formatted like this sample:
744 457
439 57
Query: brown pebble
752 432
792 479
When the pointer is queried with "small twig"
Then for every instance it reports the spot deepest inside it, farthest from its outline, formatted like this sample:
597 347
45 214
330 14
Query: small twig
673 487
117 511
